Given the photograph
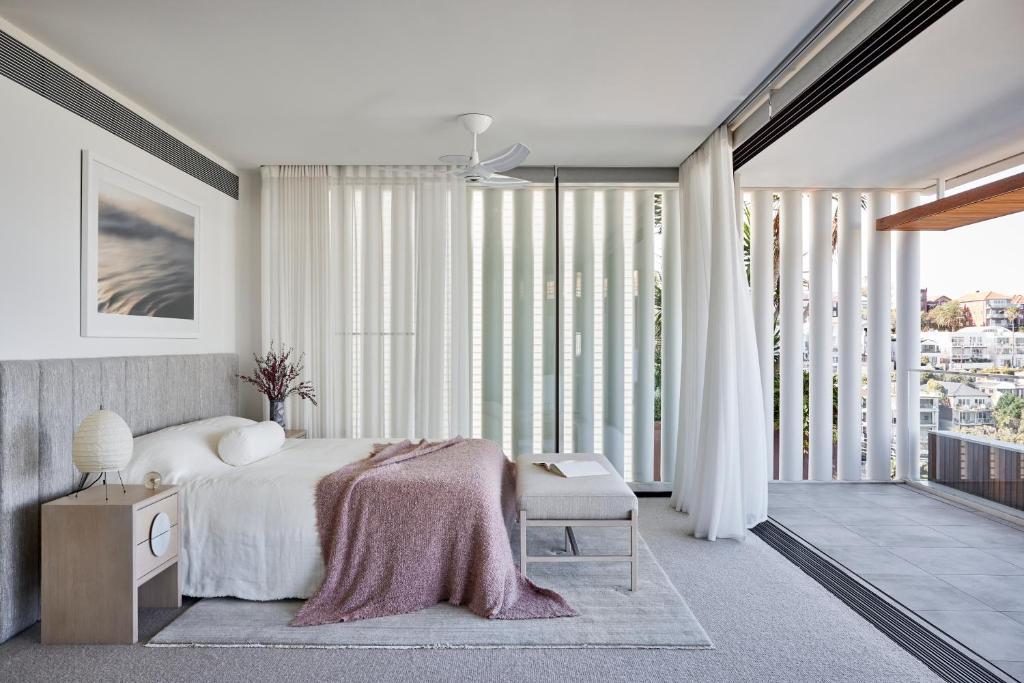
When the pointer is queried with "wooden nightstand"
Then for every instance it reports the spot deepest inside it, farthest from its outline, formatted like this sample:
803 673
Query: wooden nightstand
295 433
103 559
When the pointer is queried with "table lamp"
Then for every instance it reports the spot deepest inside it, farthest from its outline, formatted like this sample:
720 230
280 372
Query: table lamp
102 443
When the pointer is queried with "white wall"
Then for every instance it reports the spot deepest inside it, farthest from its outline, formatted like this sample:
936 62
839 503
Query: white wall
40 228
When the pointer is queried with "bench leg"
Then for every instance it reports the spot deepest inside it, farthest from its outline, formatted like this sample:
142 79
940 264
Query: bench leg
634 555
571 536
522 541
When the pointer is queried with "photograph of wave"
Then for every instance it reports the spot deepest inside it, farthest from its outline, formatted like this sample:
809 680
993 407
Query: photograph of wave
145 257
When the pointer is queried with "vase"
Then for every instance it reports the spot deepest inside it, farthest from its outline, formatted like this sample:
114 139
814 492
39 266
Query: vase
277 411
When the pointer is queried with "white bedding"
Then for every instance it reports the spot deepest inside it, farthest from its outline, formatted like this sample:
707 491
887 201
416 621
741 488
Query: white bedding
248 531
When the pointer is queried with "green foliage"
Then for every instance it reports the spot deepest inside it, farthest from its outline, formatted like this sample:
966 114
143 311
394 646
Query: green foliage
1008 412
936 387
1013 316
949 316
807 408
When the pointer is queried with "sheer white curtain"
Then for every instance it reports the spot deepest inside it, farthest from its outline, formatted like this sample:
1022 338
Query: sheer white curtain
721 477
366 270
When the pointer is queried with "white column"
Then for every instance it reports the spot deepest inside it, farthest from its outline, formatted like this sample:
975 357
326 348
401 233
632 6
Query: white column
403 297
762 285
550 351
671 331
791 376
908 343
643 338
879 408
583 322
460 394
492 308
851 345
372 359
613 330
819 338
522 324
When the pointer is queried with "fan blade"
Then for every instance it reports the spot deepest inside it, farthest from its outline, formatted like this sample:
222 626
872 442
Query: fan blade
508 159
503 181
475 171
454 159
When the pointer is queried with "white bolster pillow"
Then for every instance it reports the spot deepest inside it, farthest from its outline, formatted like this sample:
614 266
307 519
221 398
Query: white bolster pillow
246 445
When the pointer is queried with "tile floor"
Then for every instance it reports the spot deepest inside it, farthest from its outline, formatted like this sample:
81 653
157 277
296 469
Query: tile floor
961 570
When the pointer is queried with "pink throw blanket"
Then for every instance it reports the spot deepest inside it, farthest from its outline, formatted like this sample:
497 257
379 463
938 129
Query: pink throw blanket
419 523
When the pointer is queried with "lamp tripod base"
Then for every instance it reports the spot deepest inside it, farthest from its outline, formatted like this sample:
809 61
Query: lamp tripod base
82 486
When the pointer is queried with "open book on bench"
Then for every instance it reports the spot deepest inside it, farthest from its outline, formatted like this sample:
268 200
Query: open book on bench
572 468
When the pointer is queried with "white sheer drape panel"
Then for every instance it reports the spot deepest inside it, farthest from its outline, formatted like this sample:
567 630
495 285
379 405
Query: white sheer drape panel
358 268
299 242
721 449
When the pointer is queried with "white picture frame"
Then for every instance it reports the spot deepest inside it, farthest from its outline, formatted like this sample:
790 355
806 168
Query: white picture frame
142 296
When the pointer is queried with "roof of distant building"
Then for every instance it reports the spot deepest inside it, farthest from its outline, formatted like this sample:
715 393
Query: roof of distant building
961 389
983 329
981 296
1017 299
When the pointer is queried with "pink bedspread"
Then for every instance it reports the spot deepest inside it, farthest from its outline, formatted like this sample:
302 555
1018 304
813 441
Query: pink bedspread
420 523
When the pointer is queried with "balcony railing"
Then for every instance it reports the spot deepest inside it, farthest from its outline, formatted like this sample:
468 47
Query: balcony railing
981 404
977 465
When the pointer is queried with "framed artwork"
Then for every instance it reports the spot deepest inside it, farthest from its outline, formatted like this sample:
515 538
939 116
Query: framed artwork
140 256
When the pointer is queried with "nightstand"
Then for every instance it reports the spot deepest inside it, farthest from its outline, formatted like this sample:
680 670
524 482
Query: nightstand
295 433
103 559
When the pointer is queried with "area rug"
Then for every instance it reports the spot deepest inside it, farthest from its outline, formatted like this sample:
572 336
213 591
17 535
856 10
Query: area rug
655 616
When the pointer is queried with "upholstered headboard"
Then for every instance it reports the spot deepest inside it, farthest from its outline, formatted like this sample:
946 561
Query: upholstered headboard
41 403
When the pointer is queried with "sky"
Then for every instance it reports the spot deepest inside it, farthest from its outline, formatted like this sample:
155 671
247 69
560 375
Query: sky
983 256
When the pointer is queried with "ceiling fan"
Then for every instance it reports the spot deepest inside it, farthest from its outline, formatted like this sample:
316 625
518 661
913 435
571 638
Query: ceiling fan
486 173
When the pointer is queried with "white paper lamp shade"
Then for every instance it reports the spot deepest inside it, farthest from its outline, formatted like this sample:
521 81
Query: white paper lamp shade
102 443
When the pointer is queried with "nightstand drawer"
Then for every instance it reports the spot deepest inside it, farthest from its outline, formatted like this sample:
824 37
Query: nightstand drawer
146 561
144 516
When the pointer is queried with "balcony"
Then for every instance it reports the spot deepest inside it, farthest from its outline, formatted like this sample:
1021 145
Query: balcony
931 551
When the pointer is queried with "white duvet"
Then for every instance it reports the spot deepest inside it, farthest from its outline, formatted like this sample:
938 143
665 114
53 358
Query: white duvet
249 531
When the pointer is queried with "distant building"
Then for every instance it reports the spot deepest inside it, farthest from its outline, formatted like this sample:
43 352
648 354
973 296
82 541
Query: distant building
995 387
928 304
930 406
985 308
932 353
964 406
976 348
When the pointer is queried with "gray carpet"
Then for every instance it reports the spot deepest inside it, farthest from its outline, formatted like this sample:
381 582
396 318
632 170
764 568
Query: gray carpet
610 615
768 620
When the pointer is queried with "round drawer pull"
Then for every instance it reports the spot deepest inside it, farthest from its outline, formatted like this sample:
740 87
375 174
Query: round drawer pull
159 539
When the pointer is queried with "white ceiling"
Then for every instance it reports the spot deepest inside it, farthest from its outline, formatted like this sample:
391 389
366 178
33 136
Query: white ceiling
582 82
947 102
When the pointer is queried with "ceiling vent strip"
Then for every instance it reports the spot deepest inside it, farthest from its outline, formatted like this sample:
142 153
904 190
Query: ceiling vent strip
905 24
27 67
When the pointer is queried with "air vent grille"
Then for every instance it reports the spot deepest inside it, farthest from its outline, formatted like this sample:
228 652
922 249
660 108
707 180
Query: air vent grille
940 655
27 67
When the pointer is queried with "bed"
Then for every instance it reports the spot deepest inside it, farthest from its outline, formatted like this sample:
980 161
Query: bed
360 529
249 532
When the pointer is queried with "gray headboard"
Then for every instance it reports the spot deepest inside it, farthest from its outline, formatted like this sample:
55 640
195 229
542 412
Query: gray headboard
41 403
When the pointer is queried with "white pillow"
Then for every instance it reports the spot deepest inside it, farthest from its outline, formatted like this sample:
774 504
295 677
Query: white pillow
182 453
246 445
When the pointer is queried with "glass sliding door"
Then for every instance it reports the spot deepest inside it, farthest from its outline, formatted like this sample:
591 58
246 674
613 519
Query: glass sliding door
564 333
611 253
513 333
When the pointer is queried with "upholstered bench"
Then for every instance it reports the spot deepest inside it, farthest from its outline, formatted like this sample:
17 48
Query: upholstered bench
548 499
